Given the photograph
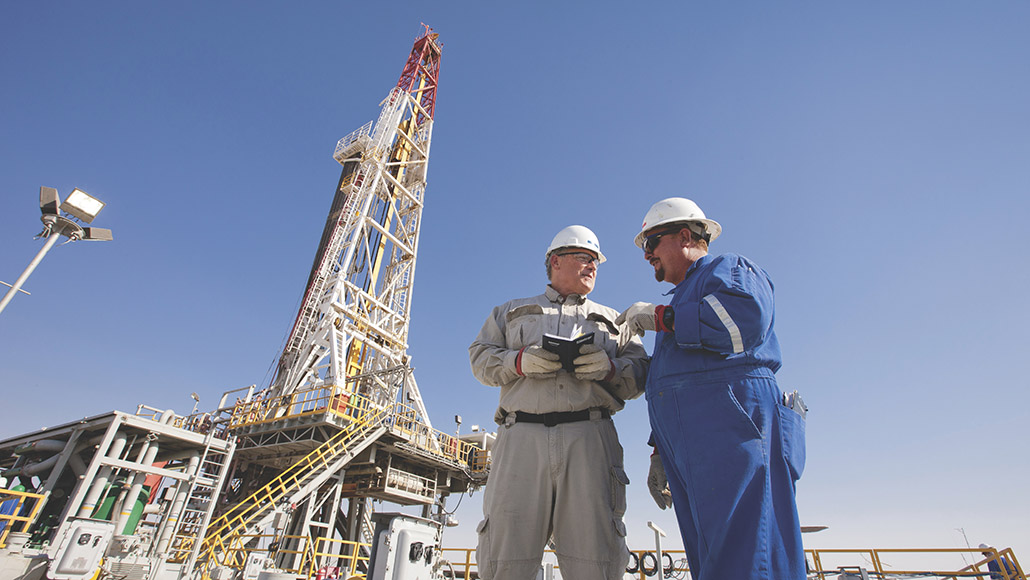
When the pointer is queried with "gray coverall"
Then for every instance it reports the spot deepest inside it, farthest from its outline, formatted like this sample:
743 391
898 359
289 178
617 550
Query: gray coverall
565 480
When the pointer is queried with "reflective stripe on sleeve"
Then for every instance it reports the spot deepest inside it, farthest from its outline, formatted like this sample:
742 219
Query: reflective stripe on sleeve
731 327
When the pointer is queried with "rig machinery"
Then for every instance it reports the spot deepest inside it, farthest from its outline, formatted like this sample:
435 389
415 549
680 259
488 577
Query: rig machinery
276 482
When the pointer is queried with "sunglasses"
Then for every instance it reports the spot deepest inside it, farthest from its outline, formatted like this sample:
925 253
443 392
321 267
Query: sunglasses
651 242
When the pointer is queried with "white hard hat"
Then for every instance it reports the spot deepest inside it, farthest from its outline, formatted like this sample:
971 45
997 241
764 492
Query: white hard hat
676 209
576 237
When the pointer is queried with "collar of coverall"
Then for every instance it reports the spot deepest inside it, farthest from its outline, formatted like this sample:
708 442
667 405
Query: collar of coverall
690 270
557 298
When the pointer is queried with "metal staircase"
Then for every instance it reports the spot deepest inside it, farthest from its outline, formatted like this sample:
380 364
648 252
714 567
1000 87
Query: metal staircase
297 481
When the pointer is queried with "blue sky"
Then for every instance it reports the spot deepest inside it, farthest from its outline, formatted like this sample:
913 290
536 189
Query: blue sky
871 156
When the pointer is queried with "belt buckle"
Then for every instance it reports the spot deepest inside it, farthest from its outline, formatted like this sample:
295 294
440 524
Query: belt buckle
550 419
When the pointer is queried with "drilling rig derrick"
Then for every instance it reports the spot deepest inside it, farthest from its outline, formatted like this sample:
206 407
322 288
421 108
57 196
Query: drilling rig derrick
280 478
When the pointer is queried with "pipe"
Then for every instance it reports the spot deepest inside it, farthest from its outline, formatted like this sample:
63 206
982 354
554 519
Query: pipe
47 446
172 519
123 492
33 469
166 417
116 509
41 446
100 481
77 464
146 458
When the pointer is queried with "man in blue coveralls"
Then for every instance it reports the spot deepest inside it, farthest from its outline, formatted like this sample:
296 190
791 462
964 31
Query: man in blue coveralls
995 563
729 447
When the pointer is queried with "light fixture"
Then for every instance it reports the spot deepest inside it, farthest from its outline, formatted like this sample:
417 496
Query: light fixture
97 234
81 205
49 201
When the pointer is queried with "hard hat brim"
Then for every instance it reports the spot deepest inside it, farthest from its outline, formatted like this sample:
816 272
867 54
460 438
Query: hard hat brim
600 257
711 226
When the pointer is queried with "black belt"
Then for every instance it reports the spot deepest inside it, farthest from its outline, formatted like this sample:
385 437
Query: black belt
552 419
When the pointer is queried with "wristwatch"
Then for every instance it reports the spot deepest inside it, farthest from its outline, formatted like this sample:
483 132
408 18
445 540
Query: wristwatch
668 317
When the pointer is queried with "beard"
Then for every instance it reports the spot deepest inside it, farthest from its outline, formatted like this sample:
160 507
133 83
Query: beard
659 274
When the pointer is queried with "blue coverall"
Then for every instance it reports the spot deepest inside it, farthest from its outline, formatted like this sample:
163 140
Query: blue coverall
996 569
732 451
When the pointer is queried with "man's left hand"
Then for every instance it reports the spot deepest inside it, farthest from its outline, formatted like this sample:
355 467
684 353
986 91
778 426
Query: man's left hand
593 364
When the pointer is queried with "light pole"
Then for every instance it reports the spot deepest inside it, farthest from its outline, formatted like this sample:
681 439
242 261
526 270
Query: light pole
81 206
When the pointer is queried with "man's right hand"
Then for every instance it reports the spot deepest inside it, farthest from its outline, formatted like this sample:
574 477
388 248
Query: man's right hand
534 361
639 317
657 483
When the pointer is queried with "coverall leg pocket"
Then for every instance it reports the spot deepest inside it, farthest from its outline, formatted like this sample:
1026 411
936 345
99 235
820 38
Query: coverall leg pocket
619 481
484 561
620 554
792 440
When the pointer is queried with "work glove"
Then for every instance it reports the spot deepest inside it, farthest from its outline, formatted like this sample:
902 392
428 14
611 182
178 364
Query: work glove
643 316
593 364
534 361
657 484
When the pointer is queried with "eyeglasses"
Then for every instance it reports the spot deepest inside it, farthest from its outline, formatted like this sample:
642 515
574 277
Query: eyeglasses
582 258
651 242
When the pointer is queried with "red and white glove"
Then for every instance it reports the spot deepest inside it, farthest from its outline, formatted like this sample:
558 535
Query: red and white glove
534 361
593 364
644 316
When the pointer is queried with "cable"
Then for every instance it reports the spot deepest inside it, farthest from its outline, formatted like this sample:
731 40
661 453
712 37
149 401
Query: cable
680 568
653 568
636 564
666 570
456 506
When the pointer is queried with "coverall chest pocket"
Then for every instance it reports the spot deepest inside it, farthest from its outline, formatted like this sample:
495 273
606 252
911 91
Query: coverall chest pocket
524 326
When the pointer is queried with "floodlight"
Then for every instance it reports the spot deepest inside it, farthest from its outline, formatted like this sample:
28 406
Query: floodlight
49 201
82 205
97 234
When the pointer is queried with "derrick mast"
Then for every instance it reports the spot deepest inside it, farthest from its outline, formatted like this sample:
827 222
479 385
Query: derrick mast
343 422
355 314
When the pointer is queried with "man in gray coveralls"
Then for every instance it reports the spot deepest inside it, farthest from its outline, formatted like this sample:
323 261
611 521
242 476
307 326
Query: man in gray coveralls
557 464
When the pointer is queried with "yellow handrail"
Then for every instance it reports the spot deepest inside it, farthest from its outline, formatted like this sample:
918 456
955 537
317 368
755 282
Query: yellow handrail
244 513
871 559
321 558
15 505
336 400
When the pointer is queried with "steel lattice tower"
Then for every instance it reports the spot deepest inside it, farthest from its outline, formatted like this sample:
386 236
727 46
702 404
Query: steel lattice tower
355 314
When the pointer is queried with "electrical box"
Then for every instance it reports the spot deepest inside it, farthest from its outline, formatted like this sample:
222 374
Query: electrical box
404 547
83 545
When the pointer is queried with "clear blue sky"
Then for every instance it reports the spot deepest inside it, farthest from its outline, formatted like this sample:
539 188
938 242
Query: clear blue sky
872 156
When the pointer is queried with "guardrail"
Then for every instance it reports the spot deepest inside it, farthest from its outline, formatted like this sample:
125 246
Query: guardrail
644 563
201 423
299 556
220 534
18 510
337 401
826 564
339 556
